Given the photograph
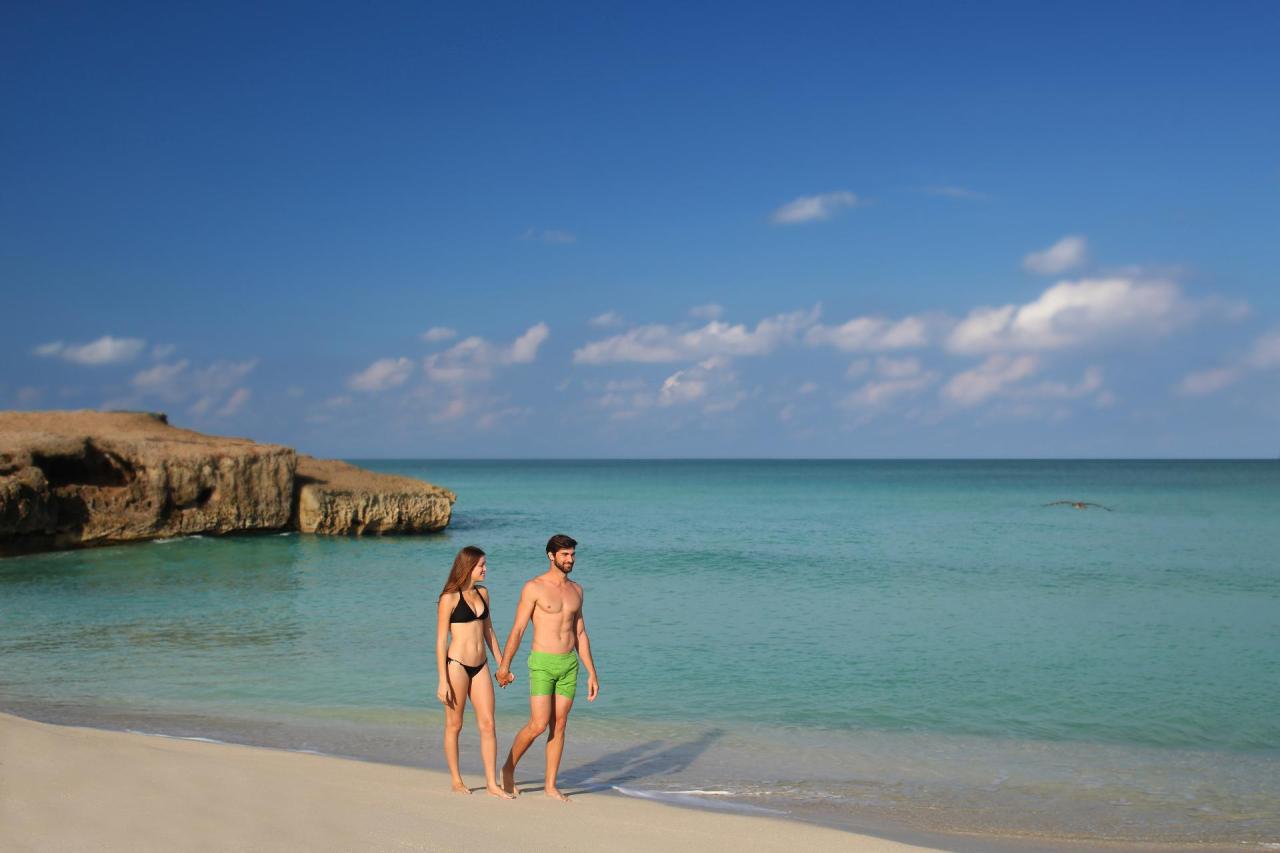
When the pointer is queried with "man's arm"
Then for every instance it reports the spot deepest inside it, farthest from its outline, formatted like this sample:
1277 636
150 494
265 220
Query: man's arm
584 652
524 612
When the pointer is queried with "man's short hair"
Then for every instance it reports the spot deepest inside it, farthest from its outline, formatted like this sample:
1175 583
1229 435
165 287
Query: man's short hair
560 542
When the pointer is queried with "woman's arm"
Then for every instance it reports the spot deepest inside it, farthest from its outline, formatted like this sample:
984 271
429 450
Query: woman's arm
490 636
444 692
584 652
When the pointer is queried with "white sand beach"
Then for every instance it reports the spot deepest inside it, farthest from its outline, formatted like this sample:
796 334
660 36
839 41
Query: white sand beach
71 789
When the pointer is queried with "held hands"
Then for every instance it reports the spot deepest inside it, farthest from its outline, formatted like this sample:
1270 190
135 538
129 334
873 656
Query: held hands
504 676
444 693
593 688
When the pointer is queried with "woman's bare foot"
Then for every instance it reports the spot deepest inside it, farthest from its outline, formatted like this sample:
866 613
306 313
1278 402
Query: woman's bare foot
460 787
554 793
509 780
495 790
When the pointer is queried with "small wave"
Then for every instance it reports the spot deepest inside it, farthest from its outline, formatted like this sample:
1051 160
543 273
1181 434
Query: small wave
198 739
167 540
178 737
694 798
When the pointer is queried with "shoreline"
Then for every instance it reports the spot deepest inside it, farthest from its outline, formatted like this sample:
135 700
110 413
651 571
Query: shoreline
75 788
39 750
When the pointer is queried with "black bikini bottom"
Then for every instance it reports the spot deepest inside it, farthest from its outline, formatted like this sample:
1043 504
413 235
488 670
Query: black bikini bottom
471 670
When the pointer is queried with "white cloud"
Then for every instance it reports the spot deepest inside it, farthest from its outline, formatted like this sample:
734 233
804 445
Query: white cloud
549 235
710 311
606 320
452 411
881 392
525 347
710 384
209 386
105 350
710 381
1072 313
1089 382
989 378
1209 381
1048 399
813 208
1263 354
1068 252
382 374
683 386
897 368
438 333
160 379
871 334
660 343
235 402
160 352
475 358
894 378
626 397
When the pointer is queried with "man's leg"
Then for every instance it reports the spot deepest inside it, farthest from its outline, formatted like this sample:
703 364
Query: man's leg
555 744
539 717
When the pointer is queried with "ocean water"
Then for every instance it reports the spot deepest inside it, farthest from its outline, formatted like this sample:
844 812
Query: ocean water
875 645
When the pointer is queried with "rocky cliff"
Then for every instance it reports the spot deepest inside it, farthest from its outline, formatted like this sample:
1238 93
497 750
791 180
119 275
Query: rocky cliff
334 497
76 479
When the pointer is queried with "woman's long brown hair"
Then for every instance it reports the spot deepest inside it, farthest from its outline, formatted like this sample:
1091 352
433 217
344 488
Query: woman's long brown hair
463 564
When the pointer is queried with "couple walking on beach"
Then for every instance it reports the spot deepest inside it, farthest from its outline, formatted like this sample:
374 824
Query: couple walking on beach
463 628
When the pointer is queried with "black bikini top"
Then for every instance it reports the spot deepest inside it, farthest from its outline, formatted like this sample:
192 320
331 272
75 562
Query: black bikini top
462 611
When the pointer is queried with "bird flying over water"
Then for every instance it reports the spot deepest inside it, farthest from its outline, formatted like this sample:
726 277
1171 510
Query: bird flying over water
1079 505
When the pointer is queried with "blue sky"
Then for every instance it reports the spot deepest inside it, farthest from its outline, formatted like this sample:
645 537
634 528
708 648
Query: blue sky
668 230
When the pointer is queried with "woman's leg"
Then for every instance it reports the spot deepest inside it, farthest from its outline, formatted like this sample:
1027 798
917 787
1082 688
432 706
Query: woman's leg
461 685
482 702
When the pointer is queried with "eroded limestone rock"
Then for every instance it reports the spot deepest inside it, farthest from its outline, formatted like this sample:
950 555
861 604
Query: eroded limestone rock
76 479
338 498
73 479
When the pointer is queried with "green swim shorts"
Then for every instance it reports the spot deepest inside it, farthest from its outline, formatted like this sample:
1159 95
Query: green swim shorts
550 673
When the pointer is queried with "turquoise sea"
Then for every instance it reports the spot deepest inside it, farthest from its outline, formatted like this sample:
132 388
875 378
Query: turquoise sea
874 645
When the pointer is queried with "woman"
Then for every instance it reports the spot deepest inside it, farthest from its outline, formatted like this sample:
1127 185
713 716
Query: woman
462 629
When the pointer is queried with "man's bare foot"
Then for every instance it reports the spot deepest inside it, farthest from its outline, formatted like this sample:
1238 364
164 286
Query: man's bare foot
496 791
509 780
460 787
554 793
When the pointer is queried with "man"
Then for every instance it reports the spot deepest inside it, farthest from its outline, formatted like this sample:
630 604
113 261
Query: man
554 603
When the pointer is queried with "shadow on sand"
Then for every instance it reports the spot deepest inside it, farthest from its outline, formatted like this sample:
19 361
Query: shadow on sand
649 760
